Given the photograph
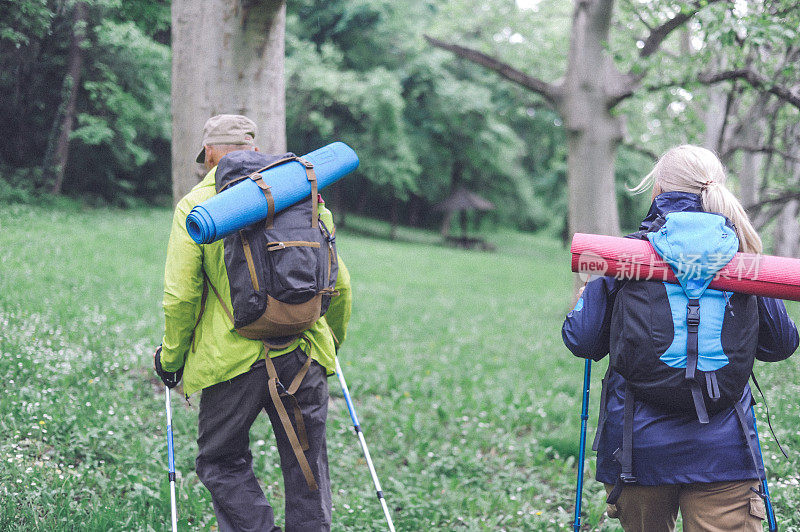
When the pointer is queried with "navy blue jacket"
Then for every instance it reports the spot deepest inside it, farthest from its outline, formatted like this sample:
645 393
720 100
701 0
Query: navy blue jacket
672 449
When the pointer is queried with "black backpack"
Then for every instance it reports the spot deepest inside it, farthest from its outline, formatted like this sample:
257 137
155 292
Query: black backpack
281 271
673 360
685 348
682 348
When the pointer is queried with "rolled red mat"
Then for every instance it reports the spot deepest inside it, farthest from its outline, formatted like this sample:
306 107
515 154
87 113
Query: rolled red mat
627 258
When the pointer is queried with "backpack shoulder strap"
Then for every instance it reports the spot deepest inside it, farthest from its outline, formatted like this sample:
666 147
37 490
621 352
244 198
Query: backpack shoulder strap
202 310
752 446
206 283
219 298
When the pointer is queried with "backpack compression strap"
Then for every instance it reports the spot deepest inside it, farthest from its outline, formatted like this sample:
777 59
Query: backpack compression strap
692 327
751 444
258 179
248 255
624 454
299 439
311 175
601 422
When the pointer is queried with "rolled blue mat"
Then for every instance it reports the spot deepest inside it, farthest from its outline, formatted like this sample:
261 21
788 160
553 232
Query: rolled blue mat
244 204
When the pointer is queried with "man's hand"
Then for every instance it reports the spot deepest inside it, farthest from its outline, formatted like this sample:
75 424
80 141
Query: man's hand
169 378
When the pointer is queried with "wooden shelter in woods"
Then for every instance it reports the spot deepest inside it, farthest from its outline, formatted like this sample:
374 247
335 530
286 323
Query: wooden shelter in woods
460 202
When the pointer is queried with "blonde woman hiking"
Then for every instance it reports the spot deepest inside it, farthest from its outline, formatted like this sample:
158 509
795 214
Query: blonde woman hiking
676 431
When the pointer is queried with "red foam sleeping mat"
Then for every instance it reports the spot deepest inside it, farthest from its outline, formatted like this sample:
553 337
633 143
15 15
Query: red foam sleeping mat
627 258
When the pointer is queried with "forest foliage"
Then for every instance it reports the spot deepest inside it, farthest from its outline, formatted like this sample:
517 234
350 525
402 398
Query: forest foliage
422 121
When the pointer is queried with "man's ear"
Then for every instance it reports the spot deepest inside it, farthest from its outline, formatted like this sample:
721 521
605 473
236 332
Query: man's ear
209 162
255 148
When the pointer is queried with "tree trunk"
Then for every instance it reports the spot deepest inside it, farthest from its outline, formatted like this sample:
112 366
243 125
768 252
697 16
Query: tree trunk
592 133
395 219
716 113
787 231
72 83
444 230
749 134
227 57
591 87
787 227
715 119
414 207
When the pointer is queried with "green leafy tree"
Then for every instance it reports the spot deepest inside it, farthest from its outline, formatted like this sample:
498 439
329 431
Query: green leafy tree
89 86
678 50
360 71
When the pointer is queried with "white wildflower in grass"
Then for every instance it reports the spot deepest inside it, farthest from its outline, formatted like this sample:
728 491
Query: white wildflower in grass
506 392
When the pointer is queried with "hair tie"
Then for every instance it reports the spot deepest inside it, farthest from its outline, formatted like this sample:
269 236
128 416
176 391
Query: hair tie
707 184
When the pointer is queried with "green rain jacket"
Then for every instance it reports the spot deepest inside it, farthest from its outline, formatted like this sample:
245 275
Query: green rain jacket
218 352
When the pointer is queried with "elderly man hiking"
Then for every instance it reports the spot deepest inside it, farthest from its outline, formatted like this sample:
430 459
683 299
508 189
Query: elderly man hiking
208 287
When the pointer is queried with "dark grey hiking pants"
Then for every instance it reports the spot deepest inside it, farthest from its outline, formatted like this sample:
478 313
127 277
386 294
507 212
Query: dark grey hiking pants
224 461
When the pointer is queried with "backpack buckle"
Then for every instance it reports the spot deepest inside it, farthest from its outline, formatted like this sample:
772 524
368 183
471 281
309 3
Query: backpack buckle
307 164
693 313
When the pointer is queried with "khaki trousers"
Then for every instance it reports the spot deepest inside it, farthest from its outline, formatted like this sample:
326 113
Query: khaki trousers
706 507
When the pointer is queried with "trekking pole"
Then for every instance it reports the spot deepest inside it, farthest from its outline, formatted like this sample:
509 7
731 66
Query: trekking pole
171 459
363 443
772 523
587 373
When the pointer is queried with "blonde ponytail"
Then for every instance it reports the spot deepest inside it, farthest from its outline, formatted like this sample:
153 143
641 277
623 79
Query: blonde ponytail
717 198
693 169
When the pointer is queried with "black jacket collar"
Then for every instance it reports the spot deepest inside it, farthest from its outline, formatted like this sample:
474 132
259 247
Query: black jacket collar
667 202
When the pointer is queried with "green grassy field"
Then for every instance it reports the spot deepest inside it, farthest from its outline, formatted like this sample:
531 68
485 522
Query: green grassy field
467 397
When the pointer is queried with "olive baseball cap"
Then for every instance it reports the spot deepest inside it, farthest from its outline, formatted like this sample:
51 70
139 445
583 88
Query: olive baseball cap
227 129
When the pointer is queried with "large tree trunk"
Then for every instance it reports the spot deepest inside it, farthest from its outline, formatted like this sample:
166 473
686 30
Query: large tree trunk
592 133
787 227
591 87
72 82
227 57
